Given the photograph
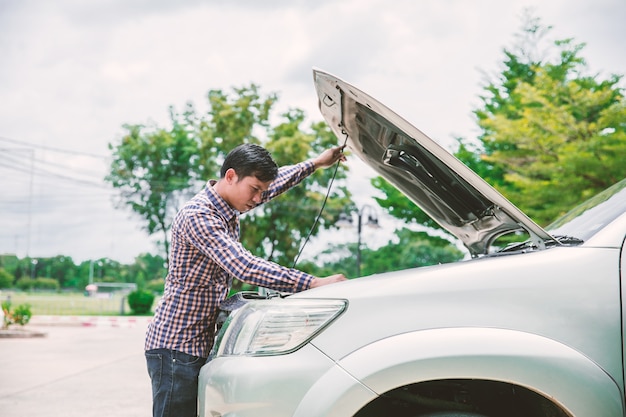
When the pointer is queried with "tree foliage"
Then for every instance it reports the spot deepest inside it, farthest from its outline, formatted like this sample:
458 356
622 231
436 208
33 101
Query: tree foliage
277 231
552 136
60 272
411 250
156 168
6 279
414 249
151 168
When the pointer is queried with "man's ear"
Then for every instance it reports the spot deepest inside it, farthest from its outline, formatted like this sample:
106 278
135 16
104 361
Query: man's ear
230 176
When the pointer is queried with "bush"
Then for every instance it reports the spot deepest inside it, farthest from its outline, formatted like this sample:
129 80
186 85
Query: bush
19 315
156 285
29 284
6 279
25 284
140 301
43 283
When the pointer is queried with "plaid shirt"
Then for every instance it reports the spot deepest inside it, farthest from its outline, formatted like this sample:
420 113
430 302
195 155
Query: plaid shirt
205 255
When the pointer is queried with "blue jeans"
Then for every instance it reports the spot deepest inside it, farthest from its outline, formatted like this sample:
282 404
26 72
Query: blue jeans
174 378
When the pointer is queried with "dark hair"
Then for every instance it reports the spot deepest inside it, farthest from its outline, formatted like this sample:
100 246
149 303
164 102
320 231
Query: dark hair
250 160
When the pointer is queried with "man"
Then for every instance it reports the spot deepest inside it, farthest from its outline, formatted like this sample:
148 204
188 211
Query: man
205 256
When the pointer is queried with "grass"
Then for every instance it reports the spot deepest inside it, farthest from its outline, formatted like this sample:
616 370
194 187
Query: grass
70 304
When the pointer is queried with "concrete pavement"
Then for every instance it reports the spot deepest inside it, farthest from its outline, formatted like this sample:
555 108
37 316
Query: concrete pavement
87 369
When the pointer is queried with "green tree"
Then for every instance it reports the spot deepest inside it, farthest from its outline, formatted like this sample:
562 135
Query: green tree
143 167
241 116
414 249
552 136
47 284
10 263
411 250
61 268
60 272
152 168
6 279
150 266
276 231
148 272
25 284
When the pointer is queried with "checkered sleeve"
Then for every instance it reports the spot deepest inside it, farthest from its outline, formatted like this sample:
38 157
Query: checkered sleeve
212 238
288 177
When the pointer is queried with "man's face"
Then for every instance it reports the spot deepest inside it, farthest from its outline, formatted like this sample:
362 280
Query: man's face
245 193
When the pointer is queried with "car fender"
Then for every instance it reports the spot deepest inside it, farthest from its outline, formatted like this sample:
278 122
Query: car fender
545 366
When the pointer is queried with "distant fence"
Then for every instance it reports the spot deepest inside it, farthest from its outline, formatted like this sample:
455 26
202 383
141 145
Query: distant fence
71 303
110 287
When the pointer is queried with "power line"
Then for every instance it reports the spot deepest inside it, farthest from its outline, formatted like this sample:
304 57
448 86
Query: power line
51 148
47 174
40 168
39 161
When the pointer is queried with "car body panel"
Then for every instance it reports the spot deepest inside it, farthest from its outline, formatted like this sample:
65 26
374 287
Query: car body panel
335 394
611 236
493 354
538 295
246 387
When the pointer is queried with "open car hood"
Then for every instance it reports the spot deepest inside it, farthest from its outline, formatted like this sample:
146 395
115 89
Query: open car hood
441 185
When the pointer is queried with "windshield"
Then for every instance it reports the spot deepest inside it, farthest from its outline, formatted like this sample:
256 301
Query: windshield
594 214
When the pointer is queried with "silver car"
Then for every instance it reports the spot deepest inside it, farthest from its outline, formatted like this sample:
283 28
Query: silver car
532 329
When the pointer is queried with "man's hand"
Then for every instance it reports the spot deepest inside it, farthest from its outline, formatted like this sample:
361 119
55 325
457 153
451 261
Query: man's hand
318 282
329 157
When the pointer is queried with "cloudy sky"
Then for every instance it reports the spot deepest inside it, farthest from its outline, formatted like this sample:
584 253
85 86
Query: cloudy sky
73 72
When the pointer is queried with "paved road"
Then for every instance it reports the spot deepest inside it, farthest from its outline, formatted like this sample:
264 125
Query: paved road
84 371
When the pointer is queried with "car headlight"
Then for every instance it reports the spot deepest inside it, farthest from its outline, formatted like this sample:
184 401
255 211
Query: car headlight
276 326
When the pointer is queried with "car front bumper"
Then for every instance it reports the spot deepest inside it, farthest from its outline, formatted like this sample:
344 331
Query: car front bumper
304 383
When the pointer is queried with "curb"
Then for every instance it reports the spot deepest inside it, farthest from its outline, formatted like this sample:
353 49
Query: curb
90 321
21 333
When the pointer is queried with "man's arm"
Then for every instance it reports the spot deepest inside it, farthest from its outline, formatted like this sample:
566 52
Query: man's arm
318 282
292 175
329 157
